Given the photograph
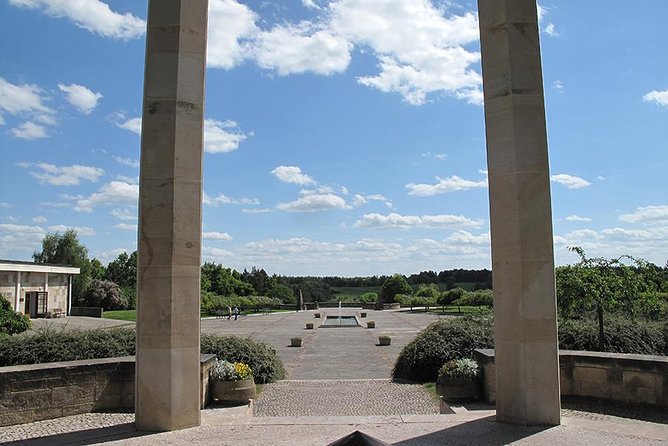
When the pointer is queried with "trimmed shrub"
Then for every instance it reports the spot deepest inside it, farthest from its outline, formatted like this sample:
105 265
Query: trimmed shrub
267 366
11 322
440 342
105 294
56 345
621 336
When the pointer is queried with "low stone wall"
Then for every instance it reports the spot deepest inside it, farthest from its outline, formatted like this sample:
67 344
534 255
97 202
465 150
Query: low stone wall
626 378
87 311
43 391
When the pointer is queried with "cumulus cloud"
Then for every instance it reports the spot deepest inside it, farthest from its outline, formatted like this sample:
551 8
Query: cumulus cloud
126 226
62 175
314 202
124 214
82 98
29 130
467 238
219 136
114 192
577 218
216 236
398 221
231 25
83 231
444 185
215 254
436 156
647 214
39 219
25 100
222 136
224 199
359 199
92 15
292 175
126 161
659 97
570 181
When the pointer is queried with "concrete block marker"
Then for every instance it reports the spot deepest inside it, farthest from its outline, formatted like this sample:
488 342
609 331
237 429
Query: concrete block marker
170 217
525 321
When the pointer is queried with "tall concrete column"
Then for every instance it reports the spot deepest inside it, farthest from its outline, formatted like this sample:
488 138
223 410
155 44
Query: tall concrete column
527 361
170 217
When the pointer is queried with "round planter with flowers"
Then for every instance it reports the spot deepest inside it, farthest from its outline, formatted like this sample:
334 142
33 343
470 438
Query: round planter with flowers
232 383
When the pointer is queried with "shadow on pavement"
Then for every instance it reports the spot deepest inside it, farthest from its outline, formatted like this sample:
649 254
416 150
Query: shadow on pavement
484 431
84 437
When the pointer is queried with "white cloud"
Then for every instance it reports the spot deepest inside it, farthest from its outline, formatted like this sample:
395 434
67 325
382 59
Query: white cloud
63 175
216 236
314 202
83 231
126 161
450 184
291 49
570 181
257 211
82 98
215 254
577 218
30 130
420 50
659 97
436 156
466 238
124 214
24 100
397 221
21 229
359 199
4 204
224 199
292 174
231 25
132 124
92 15
126 226
39 219
114 192
551 30
108 256
219 136
558 85
647 214
19 241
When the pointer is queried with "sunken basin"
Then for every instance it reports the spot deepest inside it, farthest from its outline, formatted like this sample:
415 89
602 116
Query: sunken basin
342 321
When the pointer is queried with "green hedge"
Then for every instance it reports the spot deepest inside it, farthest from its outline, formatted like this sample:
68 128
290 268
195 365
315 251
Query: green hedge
58 345
440 342
449 339
267 366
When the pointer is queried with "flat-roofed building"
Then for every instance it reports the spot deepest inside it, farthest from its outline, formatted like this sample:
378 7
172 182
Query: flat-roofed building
37 289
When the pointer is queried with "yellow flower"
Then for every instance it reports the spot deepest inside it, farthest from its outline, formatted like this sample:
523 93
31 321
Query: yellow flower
243 371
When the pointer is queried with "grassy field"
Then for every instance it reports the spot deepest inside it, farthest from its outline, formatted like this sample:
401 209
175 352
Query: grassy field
121 315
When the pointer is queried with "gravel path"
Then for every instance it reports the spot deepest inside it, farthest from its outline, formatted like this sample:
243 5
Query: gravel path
348 397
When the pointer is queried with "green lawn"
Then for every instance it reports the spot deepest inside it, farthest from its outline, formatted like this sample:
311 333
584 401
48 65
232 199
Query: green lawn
121 315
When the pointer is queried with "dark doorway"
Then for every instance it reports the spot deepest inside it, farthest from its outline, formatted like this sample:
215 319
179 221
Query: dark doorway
36 304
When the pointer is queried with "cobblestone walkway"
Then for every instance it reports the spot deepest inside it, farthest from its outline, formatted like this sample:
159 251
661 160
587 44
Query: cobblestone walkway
341 398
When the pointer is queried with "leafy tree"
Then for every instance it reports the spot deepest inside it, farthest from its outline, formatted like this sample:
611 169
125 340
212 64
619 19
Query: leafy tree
368 297
97 269
66 249
123 270
315 290
600 284
394 285
259 279
428 290
11 322
283 293
224 281
105 294
452 296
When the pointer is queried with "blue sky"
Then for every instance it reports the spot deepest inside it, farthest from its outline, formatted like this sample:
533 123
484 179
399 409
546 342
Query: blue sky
343 137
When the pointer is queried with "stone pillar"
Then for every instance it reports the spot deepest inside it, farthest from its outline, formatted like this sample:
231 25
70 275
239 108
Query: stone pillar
527 361
170 217
17 293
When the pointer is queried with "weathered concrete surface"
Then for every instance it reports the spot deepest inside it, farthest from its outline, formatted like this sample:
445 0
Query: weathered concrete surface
170 216
527 365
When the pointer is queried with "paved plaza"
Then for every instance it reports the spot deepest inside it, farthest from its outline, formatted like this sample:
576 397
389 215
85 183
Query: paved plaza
337 382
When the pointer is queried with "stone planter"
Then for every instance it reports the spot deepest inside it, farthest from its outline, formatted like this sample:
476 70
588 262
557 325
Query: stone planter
371 324
317 315
363 314
309 326
384 340
295 342
458 389
233 392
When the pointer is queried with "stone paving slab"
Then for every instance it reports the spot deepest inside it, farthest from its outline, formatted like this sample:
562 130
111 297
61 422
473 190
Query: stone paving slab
343 398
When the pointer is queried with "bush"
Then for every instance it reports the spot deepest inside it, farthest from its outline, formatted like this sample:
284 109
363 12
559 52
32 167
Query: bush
11 322
56 346
267 366
440 342
621 336
465 368
105 294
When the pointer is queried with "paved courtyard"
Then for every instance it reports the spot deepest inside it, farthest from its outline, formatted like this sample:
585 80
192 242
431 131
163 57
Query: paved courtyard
337 382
